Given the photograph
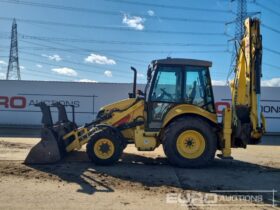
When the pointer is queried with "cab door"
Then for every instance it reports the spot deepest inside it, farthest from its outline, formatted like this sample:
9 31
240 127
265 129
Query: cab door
198 89
165 92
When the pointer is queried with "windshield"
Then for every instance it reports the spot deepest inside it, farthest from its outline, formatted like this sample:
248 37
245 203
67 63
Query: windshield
167 86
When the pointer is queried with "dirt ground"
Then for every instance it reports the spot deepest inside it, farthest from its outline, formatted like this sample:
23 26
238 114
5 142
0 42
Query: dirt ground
140 180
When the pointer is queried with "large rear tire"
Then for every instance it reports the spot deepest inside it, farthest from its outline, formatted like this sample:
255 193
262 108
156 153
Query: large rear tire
104 147
189 142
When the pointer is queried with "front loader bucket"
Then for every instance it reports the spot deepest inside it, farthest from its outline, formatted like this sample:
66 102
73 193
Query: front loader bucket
46 151
52 147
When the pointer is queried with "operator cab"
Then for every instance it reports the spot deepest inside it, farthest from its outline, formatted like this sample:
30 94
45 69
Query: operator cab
175 81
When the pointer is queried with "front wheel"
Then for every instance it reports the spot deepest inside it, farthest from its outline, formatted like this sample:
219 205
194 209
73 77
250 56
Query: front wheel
189 142
104 147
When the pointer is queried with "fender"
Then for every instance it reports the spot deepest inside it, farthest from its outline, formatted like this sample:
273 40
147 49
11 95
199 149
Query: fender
188 109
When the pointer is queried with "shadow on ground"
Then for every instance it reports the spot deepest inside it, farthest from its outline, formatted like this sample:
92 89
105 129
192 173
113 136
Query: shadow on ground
134 170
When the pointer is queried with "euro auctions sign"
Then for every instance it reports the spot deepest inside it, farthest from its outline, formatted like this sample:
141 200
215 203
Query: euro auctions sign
14 102
22 102
17 100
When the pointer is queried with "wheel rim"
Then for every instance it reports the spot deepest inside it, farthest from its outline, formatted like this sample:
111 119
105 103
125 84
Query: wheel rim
190 144
104 148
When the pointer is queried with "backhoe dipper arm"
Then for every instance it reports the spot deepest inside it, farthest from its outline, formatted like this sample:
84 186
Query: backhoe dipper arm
243 123
246 86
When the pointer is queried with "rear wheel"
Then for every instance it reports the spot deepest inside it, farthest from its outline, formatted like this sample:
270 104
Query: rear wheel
104 147
189 142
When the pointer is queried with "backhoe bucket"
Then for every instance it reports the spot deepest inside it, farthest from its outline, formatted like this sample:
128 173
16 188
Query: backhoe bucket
46 151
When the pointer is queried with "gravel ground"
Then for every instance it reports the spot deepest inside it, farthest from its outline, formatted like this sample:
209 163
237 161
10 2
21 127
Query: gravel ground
140 180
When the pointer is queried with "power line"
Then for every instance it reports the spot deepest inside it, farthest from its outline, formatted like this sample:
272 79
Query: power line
103 50
48 39
118 74
115 74
267 8
170 6
104 12
270 28
121 58
63 39
272 51
115 71
134 51
47 47
34 72
271 65
119 28
276 2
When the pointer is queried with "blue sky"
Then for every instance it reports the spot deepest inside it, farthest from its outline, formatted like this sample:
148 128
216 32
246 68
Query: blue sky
124 35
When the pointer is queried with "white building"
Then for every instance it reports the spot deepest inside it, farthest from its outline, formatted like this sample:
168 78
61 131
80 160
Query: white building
17 99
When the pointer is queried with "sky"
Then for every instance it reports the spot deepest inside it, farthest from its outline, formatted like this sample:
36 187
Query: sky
98 40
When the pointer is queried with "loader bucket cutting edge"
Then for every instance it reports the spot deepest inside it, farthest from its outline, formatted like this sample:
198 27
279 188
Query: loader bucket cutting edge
44 152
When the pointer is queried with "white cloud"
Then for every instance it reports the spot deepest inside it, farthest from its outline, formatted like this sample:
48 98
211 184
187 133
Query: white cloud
140 75
3 63
2 76
274 82
65 71
151 12
39 66
86 80
54 57
135 22
218 82
108 73
21 67
99 59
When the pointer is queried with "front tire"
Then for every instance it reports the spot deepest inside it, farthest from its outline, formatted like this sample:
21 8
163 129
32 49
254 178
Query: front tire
104 147
189 142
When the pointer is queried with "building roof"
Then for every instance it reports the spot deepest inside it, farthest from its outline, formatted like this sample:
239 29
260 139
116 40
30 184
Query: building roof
183 61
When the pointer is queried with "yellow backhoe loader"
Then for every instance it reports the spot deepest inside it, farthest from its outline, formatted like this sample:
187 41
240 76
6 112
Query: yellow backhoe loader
176 110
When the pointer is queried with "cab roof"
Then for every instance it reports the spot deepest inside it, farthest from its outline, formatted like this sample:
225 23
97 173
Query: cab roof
182 61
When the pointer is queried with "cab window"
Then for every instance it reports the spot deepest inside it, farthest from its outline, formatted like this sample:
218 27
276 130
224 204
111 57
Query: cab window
167 85
198 89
